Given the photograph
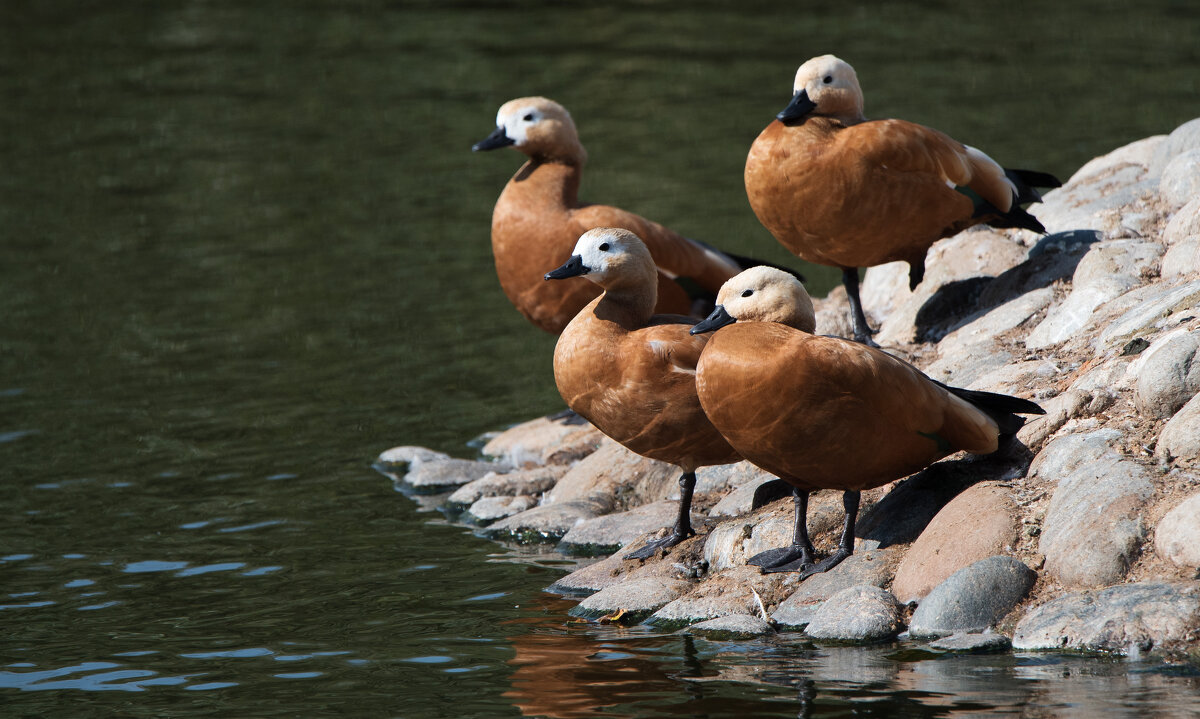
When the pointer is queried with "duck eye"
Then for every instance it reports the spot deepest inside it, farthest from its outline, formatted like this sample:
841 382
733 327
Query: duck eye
529 117
747 293
828 79
603 247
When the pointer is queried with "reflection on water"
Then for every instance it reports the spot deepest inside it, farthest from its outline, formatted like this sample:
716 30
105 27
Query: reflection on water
245 248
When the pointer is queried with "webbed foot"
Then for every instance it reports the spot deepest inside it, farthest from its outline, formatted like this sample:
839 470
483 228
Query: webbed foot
666 542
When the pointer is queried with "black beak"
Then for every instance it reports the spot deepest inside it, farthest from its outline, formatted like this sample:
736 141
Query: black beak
494 140
573 267
715 321
797 109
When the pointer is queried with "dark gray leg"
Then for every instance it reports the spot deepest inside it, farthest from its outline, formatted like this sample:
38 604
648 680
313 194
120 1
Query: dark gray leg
845 546
683 523
862 331
801 550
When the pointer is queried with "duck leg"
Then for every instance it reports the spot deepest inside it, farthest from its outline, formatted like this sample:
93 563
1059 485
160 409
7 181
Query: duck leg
862 330
683 524
800 553
845 546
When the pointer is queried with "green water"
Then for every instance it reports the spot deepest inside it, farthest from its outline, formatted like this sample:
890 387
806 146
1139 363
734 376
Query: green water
244 248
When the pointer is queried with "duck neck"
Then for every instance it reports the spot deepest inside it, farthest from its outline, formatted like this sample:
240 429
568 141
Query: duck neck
552 179
628 304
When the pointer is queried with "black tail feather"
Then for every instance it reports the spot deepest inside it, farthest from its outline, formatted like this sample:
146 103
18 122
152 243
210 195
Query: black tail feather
1016 217
1002 408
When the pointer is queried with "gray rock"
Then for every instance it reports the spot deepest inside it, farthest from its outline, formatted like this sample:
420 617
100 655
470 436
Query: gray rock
1182 258
731 627
859 614
968 643
536 440
639 597
1107 271
973 598
741 590
980 334
1139 152
488 509
509 484
433 475
1059 410
1093 526
547 523
613 472
1062 456
866 568
738 501
606 534
1084 204
726 477
1177 537
397 461
1128 619
1180 180
1183 138
1179 440
1184 223
1150 306
966 367
1168 373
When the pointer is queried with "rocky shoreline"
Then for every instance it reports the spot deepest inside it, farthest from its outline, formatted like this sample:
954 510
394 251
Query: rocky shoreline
1085 536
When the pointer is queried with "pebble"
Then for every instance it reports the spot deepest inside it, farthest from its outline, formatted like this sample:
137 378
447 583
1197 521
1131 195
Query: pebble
1168 373
732 626
857 614
869 568
973 598
971 643
1177 537
1179 440
979 523
1129 619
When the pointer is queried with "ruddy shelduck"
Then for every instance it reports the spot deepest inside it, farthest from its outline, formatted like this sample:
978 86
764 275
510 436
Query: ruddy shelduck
631 373
539 217
828 413
837 189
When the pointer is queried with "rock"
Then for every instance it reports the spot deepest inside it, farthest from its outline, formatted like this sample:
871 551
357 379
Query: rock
1179 440
639 597
1093 525
510 484
1168 373
732 591
738 501
1184 223
970 643
1137 153
732 626
1062 456
884 288
973 598
684 563
726 477
398 461
833 313
536 440
1149 305
869 568
606 534
1107 271
1016 376
1183 138
979 523
1182 258
1180 181
1059 409
432 475
547 523
613 472
860 614
980 334
1128 619
488 509
1177 537
1083 204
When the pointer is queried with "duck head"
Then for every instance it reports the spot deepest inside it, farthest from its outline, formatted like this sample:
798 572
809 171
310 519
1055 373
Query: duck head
824 85
612 258
761 294
538 127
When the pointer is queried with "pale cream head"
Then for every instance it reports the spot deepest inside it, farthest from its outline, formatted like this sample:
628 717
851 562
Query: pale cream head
541 127
765 294
616 258
833 85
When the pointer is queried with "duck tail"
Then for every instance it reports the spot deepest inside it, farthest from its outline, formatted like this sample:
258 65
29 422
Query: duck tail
1026 180
1002 408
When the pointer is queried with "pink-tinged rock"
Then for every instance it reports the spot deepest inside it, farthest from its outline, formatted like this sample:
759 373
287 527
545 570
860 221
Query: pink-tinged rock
1179 440
536 440
979 523
1184 223
613 472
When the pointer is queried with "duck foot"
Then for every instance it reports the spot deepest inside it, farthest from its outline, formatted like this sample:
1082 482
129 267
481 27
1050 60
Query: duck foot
807 569
666 542
794 554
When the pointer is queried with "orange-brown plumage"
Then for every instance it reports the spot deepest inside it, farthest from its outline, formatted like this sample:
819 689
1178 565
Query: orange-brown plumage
539 217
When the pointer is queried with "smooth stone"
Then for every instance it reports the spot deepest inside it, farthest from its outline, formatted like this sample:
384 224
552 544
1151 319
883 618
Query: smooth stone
1153 305
488 509
870 567
1064 454
729 477
1182 258
833 313
407 457
1138 152
1017 376
973 598
884 288
519 481
435 474
605 534
859 614
1180 180
1184 223
684 562
1059 409
979 523
1093 528
731 591
1168 373
546 523
639 597
1107 271
971 643
1183 138
980 334
1177 537
613 472
1084 204
967 367
1179 440
731 626
536 440
738 502
1129 619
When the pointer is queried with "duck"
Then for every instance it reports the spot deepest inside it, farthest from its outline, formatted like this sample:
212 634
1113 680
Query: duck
840 190
632 373
824 412
539 217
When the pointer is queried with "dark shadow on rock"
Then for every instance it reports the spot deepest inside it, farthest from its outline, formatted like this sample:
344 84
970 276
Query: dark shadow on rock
903 514
957 303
